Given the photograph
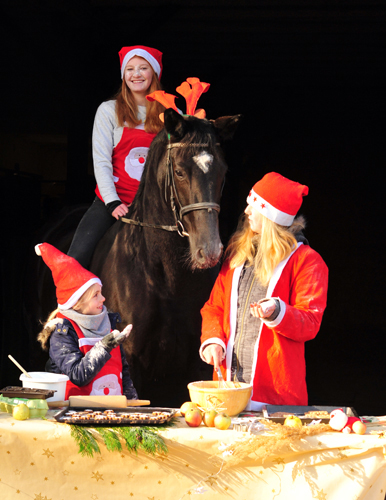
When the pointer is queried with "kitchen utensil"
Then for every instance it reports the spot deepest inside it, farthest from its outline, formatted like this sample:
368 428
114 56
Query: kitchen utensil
221 381
19 366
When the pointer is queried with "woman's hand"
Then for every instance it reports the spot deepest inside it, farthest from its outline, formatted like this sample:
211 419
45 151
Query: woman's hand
263 308
120 211
213 354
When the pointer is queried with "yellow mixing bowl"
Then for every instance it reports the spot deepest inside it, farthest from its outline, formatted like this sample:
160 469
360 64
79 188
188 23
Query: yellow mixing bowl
232 400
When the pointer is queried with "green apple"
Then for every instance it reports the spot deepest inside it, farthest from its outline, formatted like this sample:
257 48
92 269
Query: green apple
293 421
222 421
20 412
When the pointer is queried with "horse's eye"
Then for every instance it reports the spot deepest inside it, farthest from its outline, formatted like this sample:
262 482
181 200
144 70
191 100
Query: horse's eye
179 173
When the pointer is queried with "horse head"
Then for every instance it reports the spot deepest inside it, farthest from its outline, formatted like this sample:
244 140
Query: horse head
193 179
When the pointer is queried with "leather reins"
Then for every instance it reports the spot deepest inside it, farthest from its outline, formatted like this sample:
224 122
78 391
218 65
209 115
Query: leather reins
170 184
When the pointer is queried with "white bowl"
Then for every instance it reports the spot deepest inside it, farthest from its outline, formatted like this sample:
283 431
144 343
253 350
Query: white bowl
46 380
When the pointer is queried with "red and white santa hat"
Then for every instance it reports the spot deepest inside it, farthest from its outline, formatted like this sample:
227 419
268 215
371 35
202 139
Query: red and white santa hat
152 56
70 278
277 198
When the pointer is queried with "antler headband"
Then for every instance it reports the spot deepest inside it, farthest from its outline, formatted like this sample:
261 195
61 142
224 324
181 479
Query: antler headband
191 89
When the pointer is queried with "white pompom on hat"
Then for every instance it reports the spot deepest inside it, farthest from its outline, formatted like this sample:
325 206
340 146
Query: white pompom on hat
277 198
70 278
152 56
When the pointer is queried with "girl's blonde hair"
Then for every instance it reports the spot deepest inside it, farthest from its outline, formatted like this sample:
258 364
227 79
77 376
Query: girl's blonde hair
265 250
52 320
127 110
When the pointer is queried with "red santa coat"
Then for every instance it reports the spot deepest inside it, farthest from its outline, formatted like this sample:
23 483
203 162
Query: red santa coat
279 371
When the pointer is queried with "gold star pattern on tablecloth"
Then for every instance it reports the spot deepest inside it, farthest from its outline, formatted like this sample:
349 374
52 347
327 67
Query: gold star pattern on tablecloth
17 472
48 453
94 497
130 475
279 460
96 475
321 495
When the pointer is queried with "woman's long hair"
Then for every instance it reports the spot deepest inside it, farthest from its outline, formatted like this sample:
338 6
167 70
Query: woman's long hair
127 110
264 251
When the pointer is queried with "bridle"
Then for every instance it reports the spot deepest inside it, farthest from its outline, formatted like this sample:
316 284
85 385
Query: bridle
170 185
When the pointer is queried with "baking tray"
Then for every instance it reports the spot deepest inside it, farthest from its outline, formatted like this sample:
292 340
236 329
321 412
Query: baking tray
134 415
299 411
26 392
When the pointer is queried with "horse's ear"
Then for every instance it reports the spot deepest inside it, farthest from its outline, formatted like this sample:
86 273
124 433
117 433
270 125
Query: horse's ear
175 124
226 126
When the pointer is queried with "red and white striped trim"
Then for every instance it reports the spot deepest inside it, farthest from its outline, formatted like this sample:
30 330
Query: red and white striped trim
268 210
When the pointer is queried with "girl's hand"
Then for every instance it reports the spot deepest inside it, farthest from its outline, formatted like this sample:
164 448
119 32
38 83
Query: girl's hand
263 308
213 354
120 211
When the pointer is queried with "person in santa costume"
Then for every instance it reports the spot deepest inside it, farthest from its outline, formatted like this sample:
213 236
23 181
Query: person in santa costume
268 299
79 335
124 128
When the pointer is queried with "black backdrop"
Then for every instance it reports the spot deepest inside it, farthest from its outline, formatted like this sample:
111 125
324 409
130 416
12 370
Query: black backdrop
308 78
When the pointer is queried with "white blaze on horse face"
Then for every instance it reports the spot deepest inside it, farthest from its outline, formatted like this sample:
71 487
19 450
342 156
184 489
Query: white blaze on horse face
204 160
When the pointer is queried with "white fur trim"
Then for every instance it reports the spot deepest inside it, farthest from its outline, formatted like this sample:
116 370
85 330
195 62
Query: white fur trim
213 340
277 272
37 249
232 318
279 317
255 406
77 295
269 211
145 55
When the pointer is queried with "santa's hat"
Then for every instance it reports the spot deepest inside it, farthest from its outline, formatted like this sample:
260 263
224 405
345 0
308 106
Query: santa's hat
152 56
70 278
277 198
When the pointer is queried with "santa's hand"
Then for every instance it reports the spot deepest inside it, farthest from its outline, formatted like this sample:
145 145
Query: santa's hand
213 355
263 309
115 338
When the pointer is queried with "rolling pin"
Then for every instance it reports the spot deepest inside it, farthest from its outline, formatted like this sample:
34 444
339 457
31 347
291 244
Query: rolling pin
99 402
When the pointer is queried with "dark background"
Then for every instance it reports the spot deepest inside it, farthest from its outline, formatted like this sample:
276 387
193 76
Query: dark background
308 78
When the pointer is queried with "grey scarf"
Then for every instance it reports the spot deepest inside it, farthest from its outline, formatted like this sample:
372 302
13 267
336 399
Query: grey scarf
92 325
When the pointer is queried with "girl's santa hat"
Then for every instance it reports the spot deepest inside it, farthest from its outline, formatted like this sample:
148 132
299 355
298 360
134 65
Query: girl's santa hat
152 56
277 198
70 278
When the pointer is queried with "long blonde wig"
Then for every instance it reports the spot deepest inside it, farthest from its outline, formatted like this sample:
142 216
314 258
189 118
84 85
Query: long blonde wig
264 251
127 110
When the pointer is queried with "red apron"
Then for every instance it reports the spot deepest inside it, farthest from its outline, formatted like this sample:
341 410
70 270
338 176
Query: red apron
128 159
108 382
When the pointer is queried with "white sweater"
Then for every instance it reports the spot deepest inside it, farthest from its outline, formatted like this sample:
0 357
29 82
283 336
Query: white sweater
105 136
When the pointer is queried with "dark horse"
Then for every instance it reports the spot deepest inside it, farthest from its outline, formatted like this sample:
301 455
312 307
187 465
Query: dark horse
158 279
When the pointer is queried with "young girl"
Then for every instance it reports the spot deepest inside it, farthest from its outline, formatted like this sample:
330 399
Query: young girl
268 299
78 334
123 131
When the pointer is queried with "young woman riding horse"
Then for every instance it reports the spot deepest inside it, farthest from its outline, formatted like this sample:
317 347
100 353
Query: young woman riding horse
123 130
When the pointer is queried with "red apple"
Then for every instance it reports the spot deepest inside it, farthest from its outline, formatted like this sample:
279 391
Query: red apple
193 417
209 417
222 421
359 427
187 406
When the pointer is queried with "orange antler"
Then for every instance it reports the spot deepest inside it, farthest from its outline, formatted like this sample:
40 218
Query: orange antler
192 90
162 97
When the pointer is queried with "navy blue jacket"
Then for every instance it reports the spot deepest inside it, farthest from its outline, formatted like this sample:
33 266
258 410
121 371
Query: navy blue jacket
66 357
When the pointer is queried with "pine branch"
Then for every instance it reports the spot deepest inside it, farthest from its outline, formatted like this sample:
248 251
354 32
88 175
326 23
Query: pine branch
86 441
135 438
